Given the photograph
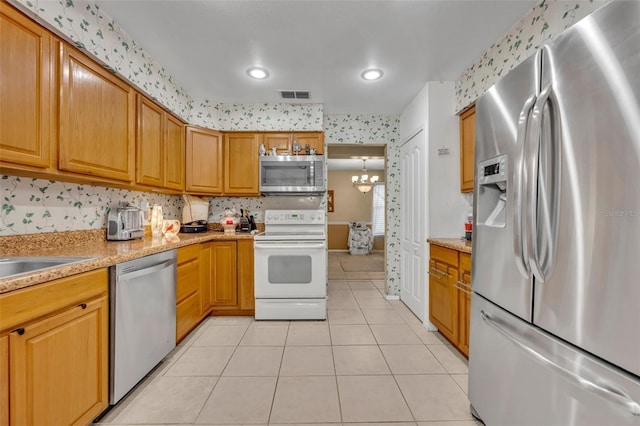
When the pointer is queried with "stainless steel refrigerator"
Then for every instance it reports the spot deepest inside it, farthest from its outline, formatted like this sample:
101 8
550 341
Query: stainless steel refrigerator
555 314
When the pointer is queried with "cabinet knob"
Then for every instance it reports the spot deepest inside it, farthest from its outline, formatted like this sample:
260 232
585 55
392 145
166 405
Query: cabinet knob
83 305
20 331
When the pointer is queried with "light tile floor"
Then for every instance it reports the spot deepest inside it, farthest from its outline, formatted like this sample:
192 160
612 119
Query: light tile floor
372 362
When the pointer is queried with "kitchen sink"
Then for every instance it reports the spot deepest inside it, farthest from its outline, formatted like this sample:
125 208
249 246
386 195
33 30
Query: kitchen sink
10 266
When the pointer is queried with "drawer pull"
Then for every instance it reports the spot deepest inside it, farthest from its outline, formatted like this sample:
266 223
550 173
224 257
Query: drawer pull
438 274
20 331
463 287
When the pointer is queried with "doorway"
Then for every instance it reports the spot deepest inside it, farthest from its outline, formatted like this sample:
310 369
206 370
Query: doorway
348 204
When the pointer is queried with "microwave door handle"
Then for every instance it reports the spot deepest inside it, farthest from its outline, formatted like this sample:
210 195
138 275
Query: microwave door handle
519 185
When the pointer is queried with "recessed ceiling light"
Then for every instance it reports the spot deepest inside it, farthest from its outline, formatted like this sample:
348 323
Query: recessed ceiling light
372 74
258 73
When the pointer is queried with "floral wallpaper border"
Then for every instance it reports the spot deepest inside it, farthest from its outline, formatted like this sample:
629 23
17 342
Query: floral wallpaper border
546 20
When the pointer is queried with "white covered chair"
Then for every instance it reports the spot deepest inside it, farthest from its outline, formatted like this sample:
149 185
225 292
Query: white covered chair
360 239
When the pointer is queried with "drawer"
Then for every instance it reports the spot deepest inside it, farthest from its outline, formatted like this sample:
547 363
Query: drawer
187 315
445 255
188 279
188 253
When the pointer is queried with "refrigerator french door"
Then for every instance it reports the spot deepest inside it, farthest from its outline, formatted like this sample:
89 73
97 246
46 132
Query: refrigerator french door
555 317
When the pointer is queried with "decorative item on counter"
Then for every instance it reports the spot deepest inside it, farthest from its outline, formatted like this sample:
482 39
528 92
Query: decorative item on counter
170 228
307 149
229 221
262 150
157 221
274 151
313 151
252 224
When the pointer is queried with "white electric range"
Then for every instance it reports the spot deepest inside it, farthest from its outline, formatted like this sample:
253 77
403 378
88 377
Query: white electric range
290 260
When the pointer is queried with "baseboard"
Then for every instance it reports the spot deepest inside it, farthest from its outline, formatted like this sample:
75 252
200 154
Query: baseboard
391 297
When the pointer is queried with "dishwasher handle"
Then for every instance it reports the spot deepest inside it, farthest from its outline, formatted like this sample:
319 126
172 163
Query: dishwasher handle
147 270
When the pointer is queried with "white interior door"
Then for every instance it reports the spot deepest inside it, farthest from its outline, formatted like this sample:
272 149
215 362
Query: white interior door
413 193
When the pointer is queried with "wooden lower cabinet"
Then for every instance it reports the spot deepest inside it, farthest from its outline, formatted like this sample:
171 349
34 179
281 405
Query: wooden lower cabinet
58 351
216 278
464 303
450 295
443 302
4 380
224 279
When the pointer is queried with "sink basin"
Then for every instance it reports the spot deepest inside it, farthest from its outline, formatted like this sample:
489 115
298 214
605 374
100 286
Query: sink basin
10 266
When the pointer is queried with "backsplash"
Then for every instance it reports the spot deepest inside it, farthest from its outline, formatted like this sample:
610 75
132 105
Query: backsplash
544 21
32 206
376 129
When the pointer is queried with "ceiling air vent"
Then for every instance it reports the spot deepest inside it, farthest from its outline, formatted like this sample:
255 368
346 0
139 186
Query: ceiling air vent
294 94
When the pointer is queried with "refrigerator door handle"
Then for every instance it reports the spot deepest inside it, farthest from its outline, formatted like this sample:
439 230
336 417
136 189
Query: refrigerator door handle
519 184
615 396
536 197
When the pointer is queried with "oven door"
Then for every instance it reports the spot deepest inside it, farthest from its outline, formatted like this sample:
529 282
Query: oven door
290 269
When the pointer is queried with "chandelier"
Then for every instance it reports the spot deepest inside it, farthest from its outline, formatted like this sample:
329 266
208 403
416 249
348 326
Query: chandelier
363 183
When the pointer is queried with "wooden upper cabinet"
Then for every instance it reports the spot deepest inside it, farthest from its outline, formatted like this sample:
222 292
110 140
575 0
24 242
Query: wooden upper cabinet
203 165
149 143
27 91
467 148
174 154
315 140
159 147
281 141
97 120
241 163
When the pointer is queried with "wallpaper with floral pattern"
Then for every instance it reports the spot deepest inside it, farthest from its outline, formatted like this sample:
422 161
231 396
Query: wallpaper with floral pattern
372 129
270 116
31 206
91 30
546 20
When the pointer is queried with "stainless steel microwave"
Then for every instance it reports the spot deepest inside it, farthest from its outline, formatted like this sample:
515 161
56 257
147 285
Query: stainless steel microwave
292 175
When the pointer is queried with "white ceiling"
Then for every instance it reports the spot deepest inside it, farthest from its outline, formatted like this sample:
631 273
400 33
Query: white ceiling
317 45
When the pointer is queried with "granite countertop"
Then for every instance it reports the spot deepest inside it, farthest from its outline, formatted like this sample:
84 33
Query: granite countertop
91 244
452 243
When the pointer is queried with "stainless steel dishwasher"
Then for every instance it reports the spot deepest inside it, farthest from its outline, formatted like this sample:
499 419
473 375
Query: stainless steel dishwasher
142 319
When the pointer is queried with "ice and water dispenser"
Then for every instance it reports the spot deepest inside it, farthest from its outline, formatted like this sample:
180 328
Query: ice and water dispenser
492 192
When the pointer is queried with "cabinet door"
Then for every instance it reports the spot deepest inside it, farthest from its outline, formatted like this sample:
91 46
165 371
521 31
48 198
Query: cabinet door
314 140
245 275
174 153
241 163
206 273
443 302
467 148
224 284
97 120
203 161
4 381
464 303
27 90
149 143
59 367
281 141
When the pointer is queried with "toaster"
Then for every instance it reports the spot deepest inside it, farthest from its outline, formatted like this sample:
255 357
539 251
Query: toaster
124 223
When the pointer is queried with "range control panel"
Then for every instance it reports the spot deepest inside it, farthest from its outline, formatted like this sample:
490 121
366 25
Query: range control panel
294 217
